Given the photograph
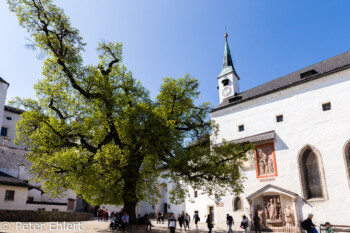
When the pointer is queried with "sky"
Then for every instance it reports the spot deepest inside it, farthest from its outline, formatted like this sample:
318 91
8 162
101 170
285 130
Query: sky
268 39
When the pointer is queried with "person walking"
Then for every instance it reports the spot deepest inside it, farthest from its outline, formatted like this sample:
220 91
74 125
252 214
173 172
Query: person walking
307 224
229 222
148 222
187 221
245 223
256 221
162 217
210 223
98 214
196 219
181 219
158 216
172 223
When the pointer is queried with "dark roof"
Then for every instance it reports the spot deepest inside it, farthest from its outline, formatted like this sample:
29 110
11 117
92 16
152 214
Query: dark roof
270 186
6 179
318 70
3 81
270 135
13 109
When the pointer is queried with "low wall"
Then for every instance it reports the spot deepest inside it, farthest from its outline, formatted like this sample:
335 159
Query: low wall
42 216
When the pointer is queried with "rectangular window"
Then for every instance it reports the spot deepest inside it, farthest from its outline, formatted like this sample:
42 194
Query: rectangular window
241 128
326 106
30 199
3 131
10 195
279 118
195 193
54 210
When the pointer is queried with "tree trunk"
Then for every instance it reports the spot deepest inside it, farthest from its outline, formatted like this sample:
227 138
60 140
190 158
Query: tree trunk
130 208
130 198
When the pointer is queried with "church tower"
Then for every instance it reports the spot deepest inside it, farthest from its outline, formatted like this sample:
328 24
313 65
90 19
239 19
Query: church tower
228 84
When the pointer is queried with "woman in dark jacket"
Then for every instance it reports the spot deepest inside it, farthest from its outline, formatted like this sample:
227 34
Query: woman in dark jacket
210 223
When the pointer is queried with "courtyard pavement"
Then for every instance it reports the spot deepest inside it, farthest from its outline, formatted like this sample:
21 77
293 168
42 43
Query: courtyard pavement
89 227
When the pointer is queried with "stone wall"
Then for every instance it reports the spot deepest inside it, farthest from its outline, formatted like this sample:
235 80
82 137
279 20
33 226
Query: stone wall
42 216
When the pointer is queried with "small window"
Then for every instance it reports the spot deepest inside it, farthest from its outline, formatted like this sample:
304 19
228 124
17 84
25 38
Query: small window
241 128
308 73
153 206
225 82
3 131
195 193
30 199
10 195
279 118
8 118
237 204
326 106
54 210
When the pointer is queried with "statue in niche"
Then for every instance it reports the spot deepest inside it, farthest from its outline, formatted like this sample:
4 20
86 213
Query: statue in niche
265 160
289 216
271 206
278 209
273 213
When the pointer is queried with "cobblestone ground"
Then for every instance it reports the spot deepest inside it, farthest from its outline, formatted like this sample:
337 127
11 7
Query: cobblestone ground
89 227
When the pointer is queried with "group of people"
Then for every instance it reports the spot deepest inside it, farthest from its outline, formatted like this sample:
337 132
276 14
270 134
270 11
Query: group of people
184 220
230 223
160 217
119 220
102 214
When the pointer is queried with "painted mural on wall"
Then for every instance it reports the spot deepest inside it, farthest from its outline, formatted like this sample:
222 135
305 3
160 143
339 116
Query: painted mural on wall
249 165
265 160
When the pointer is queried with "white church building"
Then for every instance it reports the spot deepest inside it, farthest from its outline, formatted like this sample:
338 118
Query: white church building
300 126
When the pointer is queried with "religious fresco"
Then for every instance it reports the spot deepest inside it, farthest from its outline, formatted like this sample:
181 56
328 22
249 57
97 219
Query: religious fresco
249 165
265 160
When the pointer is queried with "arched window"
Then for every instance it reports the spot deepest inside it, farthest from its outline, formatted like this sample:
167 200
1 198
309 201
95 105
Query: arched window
237 204
312 176
347 160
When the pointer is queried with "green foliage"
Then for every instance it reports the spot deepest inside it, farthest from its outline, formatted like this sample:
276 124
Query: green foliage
96 131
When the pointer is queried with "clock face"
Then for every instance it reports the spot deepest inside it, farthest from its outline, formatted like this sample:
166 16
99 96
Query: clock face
226 91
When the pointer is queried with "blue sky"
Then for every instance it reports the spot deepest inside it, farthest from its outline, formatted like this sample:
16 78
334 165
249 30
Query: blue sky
268 39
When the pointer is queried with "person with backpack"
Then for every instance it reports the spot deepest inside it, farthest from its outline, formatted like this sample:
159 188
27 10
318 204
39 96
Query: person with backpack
181 219
196 219
307 224
229 222
187 221
172 223
245 223
148 222
210 223
257 220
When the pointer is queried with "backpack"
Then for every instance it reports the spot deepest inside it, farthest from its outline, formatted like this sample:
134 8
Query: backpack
304 224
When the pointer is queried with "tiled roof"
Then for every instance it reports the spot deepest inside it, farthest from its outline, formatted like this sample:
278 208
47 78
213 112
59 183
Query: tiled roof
270 135
3 81
6 179
328 66
263 189
14 110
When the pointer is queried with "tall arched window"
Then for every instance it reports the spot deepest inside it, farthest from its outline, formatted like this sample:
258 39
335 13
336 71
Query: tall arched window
347 160
312 176
237 204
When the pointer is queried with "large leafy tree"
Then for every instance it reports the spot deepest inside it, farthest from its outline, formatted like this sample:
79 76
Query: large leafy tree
95 130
